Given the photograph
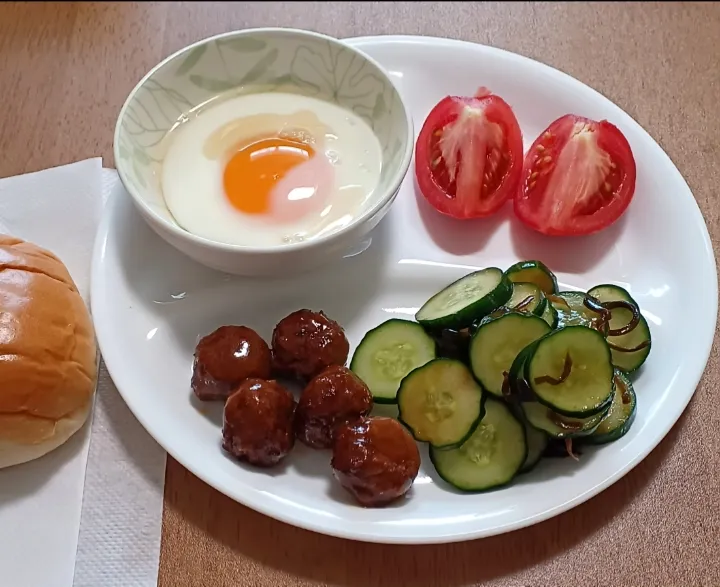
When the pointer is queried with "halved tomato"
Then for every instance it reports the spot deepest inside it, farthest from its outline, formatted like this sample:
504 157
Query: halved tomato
578 178
468 156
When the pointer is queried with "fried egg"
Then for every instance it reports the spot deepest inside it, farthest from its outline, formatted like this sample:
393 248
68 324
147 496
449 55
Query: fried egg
268 169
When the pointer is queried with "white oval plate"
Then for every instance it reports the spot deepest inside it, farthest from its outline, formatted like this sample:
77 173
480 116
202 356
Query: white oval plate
151 304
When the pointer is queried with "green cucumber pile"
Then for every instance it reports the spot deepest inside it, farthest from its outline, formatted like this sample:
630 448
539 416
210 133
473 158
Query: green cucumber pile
500 369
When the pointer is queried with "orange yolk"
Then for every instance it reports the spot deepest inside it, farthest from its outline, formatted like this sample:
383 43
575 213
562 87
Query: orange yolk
253 171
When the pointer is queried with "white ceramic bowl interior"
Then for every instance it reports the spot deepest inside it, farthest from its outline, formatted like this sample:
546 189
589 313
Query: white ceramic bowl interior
252 61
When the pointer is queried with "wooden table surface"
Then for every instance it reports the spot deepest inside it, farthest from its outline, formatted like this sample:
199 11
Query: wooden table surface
65 69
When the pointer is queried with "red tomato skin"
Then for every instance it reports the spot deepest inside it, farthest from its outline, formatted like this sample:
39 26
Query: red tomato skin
445 112
610 139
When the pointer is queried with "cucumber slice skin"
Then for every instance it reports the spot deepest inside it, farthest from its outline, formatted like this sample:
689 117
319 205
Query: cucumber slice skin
520 293
540 310
464 316
607 292
537 442
573 312
621 416
631 362
457 469
404 330
601 404
527 270
493 337
550 315
627 362
519 389
544 419
473 419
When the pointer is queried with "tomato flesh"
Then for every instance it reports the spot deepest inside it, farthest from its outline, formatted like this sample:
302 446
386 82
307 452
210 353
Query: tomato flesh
468 156
578 178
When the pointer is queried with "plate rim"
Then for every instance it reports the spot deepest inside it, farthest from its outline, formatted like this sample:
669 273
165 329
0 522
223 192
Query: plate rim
267 507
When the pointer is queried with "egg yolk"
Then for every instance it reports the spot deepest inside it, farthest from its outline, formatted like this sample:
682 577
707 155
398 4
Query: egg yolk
255 169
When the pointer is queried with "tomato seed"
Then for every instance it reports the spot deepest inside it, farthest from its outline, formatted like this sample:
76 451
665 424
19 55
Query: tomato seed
546 159
606 186
531 185
533 175
540 149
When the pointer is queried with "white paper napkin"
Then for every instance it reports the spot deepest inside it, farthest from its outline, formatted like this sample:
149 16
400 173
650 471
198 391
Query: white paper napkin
51 512
40 501
119 543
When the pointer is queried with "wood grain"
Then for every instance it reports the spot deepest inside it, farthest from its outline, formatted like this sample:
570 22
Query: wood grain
65 69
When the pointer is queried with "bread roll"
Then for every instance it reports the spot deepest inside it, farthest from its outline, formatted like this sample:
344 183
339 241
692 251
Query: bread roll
48 355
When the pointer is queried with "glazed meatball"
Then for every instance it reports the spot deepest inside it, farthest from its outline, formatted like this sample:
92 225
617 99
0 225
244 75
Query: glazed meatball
227 357
306 342
258 422
375 459
333 397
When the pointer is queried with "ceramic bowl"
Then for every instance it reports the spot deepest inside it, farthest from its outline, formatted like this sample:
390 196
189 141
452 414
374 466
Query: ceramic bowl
249 61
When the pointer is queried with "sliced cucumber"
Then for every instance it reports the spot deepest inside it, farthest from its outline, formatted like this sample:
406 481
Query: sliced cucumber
543 418
440 403
387 353
572 311
608 292
638 338
550 315
497 343
466 300
537 442
518 389
533 272
527 298
490 457
621 415
571 372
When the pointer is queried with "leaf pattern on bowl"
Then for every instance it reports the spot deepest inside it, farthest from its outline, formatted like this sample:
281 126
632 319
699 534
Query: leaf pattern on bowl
148 118
258 70
340 75
191 60
336 74
213 85
243 44
312 67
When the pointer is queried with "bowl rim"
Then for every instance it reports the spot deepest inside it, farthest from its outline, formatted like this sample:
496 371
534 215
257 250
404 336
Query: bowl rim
176 231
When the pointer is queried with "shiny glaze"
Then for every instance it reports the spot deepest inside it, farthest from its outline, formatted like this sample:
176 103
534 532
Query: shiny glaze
257 422
225 358
306 342
333 397
375 459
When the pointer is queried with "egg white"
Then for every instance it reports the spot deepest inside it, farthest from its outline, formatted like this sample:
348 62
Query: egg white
192 181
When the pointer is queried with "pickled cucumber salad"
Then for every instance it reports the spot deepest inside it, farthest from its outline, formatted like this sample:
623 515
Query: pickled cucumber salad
500 369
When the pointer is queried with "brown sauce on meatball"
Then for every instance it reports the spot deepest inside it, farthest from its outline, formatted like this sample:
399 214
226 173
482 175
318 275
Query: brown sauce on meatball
225 358
306 342
258 422
375 459
333 397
